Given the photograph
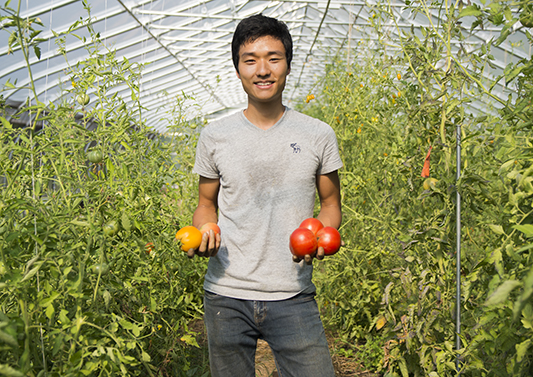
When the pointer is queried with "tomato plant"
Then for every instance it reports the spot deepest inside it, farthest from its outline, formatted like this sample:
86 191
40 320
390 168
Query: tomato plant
81 298
190 238
330 239
312 224
303 242
526 16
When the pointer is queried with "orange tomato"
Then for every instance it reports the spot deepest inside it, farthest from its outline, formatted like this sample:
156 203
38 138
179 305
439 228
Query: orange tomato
190 238
208 226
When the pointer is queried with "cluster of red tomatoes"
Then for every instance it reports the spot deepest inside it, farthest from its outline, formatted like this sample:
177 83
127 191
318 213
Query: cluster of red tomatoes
311 235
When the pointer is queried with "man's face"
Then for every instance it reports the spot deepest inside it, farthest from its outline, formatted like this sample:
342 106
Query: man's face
263 69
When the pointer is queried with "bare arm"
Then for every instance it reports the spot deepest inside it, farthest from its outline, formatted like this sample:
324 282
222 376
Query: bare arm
329 194
206 212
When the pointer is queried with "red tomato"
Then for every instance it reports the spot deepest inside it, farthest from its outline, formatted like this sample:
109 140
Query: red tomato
149 247
303 242
208 226
312 224
330 239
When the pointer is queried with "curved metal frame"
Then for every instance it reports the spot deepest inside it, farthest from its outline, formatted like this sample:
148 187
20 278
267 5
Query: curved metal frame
186 45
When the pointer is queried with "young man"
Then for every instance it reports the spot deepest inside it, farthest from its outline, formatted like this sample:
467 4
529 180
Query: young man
259 171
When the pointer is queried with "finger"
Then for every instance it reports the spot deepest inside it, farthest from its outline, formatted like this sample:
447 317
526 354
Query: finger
295 259
320 253
190 253
203 245
217 244
308 259
211 243
342 243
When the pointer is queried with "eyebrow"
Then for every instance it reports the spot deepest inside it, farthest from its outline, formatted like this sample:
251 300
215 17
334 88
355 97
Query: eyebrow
275 52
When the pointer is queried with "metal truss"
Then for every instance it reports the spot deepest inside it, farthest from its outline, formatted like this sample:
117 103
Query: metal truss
186 46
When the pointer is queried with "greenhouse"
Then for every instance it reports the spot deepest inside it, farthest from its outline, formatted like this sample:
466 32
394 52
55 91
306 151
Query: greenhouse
102 108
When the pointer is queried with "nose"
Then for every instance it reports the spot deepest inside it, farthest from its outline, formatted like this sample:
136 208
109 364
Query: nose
263 68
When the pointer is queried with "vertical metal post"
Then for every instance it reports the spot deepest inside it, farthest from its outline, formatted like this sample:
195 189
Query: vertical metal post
458 252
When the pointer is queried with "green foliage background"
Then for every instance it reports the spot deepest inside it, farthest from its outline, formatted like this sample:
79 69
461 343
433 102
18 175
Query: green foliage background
81 292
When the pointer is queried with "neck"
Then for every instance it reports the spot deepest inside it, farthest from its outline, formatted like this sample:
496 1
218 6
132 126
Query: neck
264 115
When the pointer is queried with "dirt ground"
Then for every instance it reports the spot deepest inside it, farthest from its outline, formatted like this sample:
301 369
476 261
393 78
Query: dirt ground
266 367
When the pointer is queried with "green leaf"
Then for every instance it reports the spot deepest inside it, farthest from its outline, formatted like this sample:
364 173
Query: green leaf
126 224
190 340
80 223
7 338
31 273
50 311
508 14
146 357
525 248
527 229
511 72
6 370
497 229
521 349
502 292
126 324
403 367
472 10
37 51
5 122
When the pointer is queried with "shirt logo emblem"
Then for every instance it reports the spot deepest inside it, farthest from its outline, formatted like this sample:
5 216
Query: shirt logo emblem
295 148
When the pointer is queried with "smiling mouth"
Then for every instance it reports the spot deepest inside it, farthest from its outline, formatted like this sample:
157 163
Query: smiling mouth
266 83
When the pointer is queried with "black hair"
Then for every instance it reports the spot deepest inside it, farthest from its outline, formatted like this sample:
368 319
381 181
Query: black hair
257 26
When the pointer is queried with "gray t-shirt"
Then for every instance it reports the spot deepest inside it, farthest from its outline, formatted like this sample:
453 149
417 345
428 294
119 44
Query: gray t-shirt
267 188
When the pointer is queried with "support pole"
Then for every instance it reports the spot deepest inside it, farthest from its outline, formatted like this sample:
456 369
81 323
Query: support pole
458 252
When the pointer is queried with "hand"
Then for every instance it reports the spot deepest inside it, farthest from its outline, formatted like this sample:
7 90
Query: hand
309 258
209 246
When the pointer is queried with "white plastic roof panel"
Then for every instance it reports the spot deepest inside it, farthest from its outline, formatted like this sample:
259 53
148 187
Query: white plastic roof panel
186 45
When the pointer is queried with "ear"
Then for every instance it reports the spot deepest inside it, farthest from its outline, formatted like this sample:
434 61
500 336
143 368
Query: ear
289 70
237 73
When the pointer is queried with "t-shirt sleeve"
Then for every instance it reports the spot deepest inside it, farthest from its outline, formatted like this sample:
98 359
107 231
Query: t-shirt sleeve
331 159
204 164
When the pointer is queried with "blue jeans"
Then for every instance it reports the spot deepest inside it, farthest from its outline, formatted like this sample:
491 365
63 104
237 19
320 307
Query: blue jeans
292 328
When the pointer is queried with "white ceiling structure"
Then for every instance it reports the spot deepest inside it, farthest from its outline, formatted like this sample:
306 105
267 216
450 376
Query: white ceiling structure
186 45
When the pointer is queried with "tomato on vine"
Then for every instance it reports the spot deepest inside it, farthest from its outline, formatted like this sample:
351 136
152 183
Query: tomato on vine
110 228
95 156
149 248
100 269
83 99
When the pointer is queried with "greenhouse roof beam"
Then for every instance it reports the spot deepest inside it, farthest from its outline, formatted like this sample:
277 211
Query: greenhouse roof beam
177 59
